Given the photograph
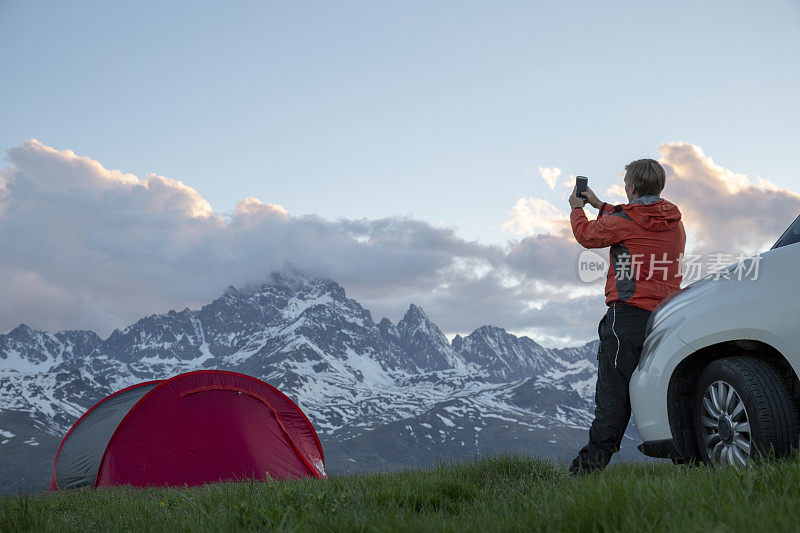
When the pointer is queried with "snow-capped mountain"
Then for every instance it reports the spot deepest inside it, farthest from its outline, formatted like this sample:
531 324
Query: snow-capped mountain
380 395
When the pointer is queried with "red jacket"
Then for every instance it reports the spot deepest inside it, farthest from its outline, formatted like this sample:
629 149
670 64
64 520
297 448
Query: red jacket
647 243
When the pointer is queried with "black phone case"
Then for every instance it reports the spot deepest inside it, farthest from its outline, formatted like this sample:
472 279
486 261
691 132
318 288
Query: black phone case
580 186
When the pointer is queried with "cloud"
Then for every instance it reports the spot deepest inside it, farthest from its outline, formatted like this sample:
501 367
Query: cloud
550 175
534 216
568 183
88 247
561 322
724 211
255 208
615 193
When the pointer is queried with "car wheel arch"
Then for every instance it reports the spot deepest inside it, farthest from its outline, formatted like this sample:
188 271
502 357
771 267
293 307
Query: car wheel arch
686 375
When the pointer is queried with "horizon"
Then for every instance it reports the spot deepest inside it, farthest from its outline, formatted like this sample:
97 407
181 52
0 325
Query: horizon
256 287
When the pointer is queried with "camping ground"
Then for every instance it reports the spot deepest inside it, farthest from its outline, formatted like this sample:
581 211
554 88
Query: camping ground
504 492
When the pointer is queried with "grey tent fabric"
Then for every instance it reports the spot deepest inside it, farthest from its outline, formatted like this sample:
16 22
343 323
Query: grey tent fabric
82 451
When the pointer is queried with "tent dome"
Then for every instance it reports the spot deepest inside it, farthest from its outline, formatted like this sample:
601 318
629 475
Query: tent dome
195 428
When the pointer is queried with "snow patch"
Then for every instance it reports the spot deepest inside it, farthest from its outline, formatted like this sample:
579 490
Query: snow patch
447 422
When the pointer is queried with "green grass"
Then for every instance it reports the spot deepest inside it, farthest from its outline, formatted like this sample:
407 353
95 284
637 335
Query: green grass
500 493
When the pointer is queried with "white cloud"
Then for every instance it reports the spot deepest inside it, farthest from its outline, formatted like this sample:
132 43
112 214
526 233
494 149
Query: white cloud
254 206
532 216
725 211
616 194
550 175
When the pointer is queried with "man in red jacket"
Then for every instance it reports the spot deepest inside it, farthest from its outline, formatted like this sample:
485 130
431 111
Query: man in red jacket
647 240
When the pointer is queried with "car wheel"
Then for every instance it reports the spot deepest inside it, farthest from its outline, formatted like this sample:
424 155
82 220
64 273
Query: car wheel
743 409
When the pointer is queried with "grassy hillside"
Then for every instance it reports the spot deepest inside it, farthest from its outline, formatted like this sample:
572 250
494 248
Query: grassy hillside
492 493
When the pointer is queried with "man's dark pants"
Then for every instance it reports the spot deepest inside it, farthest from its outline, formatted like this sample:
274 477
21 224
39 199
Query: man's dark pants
622 335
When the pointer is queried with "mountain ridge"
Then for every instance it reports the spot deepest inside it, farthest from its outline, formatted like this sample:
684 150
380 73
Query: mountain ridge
359 382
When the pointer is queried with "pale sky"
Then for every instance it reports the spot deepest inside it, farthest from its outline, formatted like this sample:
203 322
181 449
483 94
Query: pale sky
442 112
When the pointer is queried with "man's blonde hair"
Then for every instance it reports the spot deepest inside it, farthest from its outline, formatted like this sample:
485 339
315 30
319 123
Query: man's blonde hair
646 175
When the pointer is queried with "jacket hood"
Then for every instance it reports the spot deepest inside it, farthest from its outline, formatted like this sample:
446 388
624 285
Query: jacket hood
658 216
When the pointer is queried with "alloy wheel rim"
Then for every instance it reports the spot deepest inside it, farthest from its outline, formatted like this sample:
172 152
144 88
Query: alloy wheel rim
725 426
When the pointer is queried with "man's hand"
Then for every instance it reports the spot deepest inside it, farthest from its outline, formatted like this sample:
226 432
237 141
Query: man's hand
592 198
574 201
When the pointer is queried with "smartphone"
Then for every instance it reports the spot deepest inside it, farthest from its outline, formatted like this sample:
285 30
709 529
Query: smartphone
581 182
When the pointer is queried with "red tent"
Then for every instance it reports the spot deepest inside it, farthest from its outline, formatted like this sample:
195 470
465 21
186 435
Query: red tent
192 429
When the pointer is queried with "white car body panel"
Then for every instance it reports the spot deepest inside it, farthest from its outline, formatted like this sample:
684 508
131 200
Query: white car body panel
764 308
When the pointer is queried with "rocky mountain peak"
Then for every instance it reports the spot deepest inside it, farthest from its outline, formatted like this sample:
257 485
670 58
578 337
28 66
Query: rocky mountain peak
388 330
20 332
489 331
415 313
302 286
416 322
503 355
422 338
231 291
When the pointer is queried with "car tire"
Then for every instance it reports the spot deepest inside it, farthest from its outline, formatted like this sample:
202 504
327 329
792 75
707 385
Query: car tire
743 410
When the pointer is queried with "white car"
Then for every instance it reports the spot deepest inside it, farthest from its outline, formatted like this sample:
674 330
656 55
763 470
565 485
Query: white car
718 376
